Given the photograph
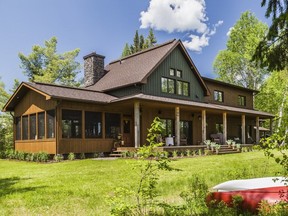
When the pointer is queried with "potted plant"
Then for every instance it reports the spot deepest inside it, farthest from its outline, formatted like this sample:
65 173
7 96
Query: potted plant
213 144
207 143
217 147
238 146
229 142
233 145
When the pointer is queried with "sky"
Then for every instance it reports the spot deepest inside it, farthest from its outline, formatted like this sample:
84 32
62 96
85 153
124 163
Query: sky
104 26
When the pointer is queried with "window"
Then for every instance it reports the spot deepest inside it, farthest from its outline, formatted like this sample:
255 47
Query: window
219 96
25 127
112 125
50 123
182 88
71 124
172 72
179 73
93 124
41 125
168 127
241 100
219 128
32 125
168 85
18 128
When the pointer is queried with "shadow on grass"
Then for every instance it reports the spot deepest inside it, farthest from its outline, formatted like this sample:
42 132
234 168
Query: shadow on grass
7 186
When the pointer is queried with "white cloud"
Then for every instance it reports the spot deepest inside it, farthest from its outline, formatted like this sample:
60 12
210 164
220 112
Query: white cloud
185 16
175 15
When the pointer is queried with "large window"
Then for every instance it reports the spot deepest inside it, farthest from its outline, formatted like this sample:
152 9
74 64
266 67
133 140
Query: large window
50 124
93 124
168 127
182 88
41 125
25 127
218 96
32 125
241 100
71 124
112 125
168 85
18 128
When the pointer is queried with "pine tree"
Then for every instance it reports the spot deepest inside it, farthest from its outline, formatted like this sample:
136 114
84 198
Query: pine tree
151 38
136 42
126 50
141 42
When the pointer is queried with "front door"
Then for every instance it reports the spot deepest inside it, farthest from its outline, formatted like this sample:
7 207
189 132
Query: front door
127 132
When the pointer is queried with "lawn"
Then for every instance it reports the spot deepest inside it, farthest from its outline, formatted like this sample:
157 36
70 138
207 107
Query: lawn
81 187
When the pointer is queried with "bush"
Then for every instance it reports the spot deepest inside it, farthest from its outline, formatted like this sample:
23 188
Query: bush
71 156
82 156
58 157
42 157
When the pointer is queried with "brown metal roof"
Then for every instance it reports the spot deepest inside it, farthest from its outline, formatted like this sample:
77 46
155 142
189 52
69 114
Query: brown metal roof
197 104
57 92
136 68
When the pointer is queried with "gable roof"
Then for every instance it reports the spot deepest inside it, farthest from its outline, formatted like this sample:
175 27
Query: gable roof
136 68
51 91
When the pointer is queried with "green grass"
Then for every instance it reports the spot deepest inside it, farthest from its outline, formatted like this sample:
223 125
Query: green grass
81 187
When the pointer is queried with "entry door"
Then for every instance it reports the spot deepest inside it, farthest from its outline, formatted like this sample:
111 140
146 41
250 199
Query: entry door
186 131
127 132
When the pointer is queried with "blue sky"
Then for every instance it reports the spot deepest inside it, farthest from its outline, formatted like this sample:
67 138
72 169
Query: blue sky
105 26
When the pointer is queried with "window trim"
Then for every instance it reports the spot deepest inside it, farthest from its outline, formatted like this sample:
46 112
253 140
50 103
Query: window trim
240 97
217 99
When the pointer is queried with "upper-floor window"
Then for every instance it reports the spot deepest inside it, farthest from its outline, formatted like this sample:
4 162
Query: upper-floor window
241 100
182 88
168 85
179 73
218 96
172 72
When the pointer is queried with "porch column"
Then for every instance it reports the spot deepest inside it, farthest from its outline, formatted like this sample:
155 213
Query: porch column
137 124
224 127
177 126
257 130
203 117
243 129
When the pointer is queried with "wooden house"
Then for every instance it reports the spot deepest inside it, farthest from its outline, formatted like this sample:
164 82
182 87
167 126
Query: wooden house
123 98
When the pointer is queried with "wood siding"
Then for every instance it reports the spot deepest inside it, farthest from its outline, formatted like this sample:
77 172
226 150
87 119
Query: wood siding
174 60
230 95
48 146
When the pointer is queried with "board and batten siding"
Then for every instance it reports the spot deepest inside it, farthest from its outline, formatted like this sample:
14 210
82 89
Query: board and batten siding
175 60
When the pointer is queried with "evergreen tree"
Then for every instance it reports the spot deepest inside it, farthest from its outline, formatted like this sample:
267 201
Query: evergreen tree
126 50
136 44
45 65
141 42
151 38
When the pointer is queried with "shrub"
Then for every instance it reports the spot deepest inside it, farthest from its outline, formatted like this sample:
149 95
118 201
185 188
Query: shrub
175 154
82 156
58 157
71 156
42 157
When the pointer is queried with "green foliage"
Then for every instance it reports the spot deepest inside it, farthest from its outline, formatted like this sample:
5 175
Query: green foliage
71 156
233 65
82 156
58 157
278 209
272 50
139 43
45 65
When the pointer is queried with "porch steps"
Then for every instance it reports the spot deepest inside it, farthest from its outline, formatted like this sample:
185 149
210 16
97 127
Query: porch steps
225 149
117 153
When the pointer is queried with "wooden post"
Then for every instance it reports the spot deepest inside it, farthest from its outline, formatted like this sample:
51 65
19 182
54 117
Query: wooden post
136 124
257 130
203 117
224 127
177 126
243 129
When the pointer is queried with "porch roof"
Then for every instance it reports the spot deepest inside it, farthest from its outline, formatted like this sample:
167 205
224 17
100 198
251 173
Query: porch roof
197 104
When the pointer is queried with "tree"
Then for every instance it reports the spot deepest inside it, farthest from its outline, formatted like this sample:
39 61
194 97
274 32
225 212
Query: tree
233 64
45 65
139 43
272 51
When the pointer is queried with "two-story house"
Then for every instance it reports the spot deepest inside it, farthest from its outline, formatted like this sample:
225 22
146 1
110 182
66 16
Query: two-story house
124 97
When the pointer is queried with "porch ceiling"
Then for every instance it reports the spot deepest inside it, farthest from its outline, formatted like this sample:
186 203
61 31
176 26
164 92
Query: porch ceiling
193 106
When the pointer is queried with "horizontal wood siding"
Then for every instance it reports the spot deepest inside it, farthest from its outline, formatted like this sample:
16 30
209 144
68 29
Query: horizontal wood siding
230 95
175 60
130 90
32 146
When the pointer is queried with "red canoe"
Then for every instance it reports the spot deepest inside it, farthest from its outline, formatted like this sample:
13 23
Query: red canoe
252 191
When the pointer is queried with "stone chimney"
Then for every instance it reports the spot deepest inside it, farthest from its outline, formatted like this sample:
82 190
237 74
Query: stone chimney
93 68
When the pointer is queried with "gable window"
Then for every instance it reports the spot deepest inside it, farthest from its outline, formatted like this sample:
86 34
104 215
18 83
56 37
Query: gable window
218 96
112 125
168 85
50 124
172 72
71 124
93 124
182 88
241 100
41 125
179 73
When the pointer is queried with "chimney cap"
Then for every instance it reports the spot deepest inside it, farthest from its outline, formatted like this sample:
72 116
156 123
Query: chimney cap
93 54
